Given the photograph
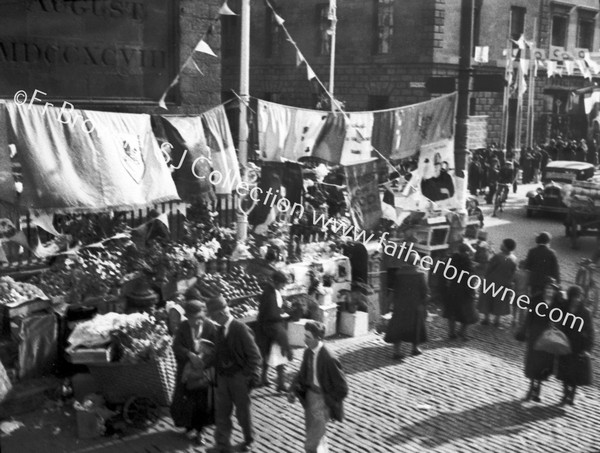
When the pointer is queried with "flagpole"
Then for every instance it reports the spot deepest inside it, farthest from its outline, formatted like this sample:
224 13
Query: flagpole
519 115
333 18
505 100
531 98
244 83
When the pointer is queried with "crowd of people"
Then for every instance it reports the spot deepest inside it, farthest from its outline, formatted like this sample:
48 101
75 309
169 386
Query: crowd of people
537 276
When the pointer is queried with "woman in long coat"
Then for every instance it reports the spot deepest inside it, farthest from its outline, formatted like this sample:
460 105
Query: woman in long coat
575 369
409 294
539 364
459 299
193 409
501 271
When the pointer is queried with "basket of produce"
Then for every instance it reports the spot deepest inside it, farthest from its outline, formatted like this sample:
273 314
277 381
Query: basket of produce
19 299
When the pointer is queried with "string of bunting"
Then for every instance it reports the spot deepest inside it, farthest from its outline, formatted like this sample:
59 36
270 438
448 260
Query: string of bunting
202 46
312 75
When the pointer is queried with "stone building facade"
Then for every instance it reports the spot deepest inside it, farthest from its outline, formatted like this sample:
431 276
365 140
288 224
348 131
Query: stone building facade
387 50
116 55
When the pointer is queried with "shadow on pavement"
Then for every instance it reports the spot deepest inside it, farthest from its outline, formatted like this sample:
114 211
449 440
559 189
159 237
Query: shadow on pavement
500 418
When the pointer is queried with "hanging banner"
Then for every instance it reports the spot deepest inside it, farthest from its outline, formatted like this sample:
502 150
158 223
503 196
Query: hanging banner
436 178
404 130
66 168
357 144
363 191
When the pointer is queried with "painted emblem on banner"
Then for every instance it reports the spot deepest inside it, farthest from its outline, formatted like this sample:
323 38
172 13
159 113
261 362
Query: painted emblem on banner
131 156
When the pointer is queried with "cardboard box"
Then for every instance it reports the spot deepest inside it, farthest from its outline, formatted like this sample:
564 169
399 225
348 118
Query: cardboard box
354 324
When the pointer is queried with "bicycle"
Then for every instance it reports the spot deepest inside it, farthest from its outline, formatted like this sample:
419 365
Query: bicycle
585 279
500 197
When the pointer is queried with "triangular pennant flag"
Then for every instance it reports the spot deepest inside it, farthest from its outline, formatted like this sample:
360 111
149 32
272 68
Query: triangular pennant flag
204 48
226 11
310 74
191 60
161 102
164 218
530 44
520 42
524 65
299 58
569 65
551 65
278 18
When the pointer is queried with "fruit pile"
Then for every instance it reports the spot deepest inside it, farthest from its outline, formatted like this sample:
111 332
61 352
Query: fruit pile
53 283
235 284
12 292
244 307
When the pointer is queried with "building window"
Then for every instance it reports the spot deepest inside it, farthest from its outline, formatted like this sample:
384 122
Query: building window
517 23
230 36
585 30
560 24
272 35
476 23
384 26
324 37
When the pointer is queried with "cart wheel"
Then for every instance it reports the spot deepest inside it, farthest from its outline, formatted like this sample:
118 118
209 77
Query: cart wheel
141 412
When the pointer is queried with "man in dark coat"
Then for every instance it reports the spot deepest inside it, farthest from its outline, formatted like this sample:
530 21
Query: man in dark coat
238 369
321 387
270 328
542 263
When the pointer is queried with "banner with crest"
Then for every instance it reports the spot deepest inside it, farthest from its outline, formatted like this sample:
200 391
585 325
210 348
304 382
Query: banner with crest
116 166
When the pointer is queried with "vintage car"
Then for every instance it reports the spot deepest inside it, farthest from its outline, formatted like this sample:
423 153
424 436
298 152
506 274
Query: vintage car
548 197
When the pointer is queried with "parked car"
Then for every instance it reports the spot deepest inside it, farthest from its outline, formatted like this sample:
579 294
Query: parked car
548 197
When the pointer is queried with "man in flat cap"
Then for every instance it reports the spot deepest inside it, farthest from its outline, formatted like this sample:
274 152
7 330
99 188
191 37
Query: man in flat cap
541 262
238 371
321 387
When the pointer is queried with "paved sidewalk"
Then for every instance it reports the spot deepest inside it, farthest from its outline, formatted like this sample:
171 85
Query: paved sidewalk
456 397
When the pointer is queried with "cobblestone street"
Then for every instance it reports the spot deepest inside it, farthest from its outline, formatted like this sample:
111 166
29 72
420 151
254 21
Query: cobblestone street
456 397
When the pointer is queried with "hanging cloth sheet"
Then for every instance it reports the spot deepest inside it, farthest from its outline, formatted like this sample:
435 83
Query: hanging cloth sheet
220 143
117 166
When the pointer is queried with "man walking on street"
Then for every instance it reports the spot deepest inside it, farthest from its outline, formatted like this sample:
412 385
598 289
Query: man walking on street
321 387
238 369
541 262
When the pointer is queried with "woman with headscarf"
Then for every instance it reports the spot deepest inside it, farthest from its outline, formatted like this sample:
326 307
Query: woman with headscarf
575 369
538 364
409 293
459 298
192 407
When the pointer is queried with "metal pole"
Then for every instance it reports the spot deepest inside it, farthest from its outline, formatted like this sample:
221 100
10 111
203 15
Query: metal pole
465 77
531 98
519 115
244 83
332 59
506 98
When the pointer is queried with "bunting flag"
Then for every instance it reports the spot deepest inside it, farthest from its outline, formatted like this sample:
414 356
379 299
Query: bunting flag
524 65
203 47
551 66
299 58
278 18
482 54
520 42
310 74
536 64
161 102
226 11
569 65
331 139
191 60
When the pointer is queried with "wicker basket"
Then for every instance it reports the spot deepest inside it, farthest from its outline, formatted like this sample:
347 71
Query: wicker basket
119 381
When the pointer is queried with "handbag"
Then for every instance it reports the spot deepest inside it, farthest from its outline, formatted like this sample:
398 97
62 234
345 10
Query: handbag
195 378
553 341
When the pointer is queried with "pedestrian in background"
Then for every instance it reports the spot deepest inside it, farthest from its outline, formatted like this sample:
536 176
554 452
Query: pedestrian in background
238 371
321 387
459 298
501 272
541 262
271 334
539 365
192 408
575 369
409 294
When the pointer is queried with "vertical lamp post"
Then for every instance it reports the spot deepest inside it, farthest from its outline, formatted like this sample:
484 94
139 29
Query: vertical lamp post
465 80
